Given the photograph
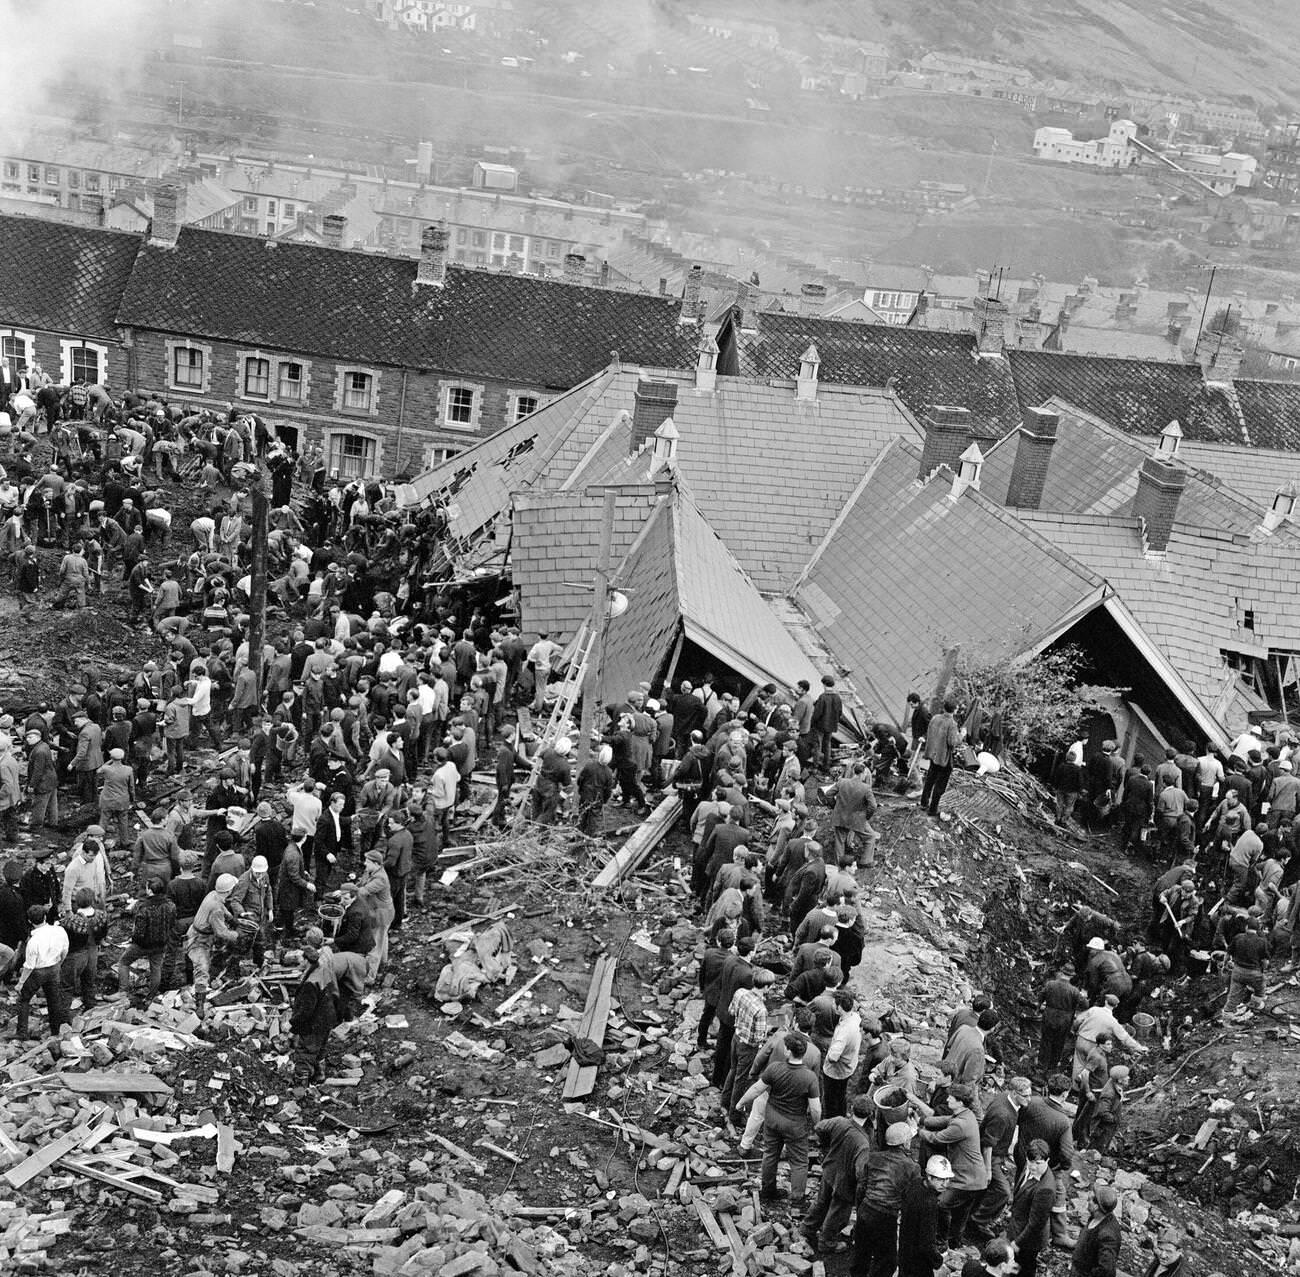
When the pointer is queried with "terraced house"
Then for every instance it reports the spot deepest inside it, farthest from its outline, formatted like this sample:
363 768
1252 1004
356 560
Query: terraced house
392 365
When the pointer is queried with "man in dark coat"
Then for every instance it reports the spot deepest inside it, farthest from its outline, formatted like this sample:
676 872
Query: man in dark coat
827 709
918 1221
1136 809
595 789
845 1143
1031 1207
1044 1119
315 1014
1096 1253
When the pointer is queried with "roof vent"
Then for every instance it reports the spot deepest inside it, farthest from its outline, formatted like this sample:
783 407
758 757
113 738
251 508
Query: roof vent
809 363
969 465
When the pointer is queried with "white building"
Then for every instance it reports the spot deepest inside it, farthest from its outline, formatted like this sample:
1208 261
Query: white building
1115 150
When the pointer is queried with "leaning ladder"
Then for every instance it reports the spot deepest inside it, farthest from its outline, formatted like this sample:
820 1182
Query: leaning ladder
561 715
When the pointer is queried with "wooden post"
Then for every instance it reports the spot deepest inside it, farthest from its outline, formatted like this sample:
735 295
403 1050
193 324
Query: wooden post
599 620
257 591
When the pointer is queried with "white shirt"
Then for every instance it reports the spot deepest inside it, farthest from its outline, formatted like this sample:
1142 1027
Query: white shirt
443 789
841 1059
47 946
201 698
306 812
390 662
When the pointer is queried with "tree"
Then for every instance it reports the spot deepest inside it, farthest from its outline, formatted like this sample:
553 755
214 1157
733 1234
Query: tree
1041 699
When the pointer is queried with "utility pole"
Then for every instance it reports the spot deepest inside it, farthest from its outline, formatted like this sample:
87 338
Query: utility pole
599 620
257 592
1209 288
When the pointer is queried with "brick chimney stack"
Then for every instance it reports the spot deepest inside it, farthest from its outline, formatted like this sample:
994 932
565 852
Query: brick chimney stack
168 215
1034 442
654 402
433 256
333 228
1160 485
991 317
573 266
947 436
691 296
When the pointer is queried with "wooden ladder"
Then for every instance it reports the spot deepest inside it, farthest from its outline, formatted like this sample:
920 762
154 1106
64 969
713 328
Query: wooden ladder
561 715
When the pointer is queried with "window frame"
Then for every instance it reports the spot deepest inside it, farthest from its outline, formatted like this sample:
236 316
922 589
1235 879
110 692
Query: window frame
465 424
68 351
205 364
28 341
516 402
371 444
280 367
343 374
246 363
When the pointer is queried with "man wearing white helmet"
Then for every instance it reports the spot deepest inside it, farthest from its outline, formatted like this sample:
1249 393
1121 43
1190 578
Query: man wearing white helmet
883 1180
595 789
251 901
212 925
918 1247
552 782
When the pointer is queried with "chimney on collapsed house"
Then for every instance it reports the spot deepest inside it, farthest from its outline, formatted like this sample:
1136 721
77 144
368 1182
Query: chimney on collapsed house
745 318
1033 457
433 256
812 298
690 312
573 267
604 274
333 227
168 215
1161 481
947 436
991 316
921 311
653 403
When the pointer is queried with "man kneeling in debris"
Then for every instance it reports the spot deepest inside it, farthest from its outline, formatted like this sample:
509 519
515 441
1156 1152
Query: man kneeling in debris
315 1014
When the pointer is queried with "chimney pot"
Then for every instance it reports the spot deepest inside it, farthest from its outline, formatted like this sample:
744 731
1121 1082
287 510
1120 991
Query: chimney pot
168 215
432 270
947 436
333 228
1160 486
1033 444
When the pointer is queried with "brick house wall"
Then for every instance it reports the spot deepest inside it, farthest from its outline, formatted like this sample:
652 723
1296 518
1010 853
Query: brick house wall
54 351
392 421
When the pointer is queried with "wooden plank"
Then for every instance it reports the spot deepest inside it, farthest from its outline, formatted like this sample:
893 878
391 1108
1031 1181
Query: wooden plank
140 1180
500 1152
519 993
225 1149
652 832
675 1178
456 1151
710 1222
44 1158
738 1264
581 1081
104 1083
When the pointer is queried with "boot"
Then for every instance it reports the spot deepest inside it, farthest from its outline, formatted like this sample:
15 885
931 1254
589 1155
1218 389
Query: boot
200 1002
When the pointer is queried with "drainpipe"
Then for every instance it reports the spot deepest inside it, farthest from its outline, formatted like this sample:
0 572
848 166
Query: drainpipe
401 413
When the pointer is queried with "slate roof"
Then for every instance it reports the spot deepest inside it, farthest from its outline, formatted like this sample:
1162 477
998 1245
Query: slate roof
367 307
678 571
554 540
1191 601
1094 468
1137 396
1256 473
1270 413
62 279
926 367
907 571
768 471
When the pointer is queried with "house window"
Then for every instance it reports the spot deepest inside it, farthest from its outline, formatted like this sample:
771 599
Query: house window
11 170
460 407
83 362
553 248
187 367
16 351
480 239
462 235
289 383
33 172
353 456
92 182
358 390
74 179
288 210
250 205
525 406
270 208
257 378
52 175
439 455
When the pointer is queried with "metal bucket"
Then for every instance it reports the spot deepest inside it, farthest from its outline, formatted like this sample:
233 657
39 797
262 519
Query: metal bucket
1144 1026
891 1102
330 916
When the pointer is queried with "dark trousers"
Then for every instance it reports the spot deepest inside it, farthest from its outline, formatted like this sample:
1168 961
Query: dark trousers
875 1243
722 1052
397 888
996 1198
1027 1261
155 960
46 980
1051 1046
1131 825
829 1214
737 1080
309 1056
706 1019
955 1206
821 748
79 975
936 781
835 1096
